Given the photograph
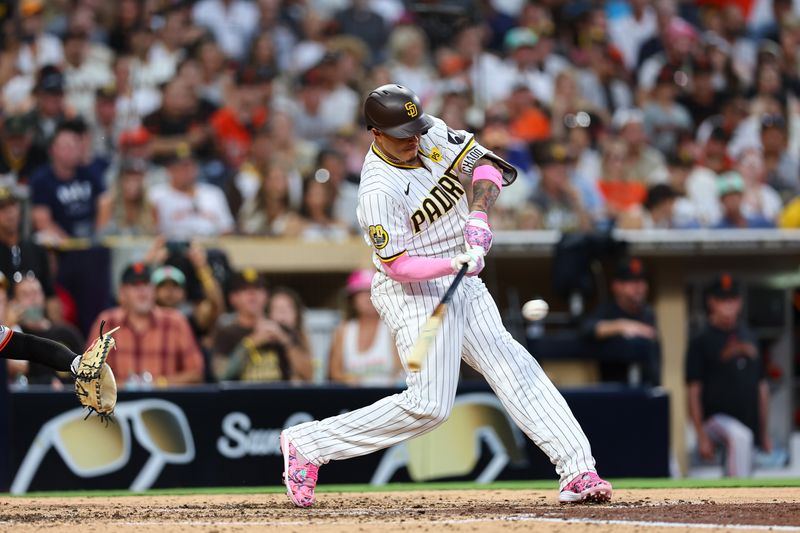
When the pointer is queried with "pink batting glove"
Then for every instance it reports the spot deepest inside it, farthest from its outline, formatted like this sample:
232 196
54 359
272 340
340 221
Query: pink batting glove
477 231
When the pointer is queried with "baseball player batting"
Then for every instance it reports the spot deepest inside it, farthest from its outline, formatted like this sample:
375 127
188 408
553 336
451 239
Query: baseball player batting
413 210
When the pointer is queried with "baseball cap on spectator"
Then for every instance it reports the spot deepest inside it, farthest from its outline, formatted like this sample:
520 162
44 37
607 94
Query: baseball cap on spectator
50 80
7 196
730 182
623 117
551 153
245 279
108 92
182 153
28 8
168 273
518 37
359 280
657 194
136 273
678 27
76 125
724 286
629 269
134 165
769 47
19 124
134 137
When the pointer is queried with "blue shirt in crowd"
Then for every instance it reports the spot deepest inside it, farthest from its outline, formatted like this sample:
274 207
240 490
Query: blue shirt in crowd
73 202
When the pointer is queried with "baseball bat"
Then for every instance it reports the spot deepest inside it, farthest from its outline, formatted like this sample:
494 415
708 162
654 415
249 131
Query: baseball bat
431 327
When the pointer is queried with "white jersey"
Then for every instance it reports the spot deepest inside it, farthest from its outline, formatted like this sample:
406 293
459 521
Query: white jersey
418 210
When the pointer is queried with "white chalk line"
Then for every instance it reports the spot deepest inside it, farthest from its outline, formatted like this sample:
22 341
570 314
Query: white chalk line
454 521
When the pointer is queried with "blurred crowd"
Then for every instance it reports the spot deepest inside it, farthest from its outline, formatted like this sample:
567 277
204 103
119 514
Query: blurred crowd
177 119
216 117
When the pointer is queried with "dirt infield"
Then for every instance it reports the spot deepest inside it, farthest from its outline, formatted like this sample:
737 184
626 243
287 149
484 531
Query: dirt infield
762 509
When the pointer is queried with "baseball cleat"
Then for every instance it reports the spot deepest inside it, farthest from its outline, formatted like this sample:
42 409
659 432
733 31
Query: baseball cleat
299 477
586 488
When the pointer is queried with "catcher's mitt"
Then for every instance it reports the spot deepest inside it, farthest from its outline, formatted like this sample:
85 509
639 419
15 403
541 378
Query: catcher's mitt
94 381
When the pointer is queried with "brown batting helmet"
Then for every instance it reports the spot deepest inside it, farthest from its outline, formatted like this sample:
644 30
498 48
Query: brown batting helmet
396 111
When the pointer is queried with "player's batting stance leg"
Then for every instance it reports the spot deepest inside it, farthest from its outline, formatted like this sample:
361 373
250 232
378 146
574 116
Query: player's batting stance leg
414 212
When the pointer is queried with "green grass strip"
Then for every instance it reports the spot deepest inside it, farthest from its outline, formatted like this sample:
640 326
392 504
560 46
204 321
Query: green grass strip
644 483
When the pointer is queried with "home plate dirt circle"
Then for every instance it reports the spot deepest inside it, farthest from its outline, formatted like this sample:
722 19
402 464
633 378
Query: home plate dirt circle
751 509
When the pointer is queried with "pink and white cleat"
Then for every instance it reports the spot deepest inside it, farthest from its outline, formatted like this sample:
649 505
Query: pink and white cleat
587 487
299 477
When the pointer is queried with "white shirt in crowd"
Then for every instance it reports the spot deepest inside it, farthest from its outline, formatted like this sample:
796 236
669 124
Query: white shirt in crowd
629 34
182 216
233 27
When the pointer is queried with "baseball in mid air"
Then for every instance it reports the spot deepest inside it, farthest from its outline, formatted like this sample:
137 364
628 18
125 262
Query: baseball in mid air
535 309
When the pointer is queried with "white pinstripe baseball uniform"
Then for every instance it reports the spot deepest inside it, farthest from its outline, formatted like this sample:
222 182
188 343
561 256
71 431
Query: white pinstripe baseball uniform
421 211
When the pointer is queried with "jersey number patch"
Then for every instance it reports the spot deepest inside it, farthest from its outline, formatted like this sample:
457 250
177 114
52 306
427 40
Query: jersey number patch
378 236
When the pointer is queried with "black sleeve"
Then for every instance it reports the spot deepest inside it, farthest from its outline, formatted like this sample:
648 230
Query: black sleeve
694 360
38 350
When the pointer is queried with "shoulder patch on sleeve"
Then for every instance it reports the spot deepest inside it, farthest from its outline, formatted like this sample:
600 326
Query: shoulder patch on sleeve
453 137
378 236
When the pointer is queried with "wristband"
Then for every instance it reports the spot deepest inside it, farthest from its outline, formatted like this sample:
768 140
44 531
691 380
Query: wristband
479 215
488 173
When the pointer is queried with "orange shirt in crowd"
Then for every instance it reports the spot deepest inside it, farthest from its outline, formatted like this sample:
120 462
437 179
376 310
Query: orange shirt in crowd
621 195
166 348
231 134
530 125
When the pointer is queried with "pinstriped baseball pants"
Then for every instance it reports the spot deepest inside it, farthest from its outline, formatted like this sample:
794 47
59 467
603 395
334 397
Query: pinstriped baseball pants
471 329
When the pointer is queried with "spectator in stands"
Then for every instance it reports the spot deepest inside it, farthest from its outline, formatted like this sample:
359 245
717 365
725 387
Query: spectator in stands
63 193
18 255
105 125
645 164
29 308
232 22
557 202
362 351
20 157
409 61
664 118
783 170
245 111
268 212
178 122
760 199
286 308
679 42
603 82
137 144
727 386
124 208
185 208
629 31
83 72
183 262
619 191
622 333
318 219
153 343
50 109
253 347
39 48
731 194
362 21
